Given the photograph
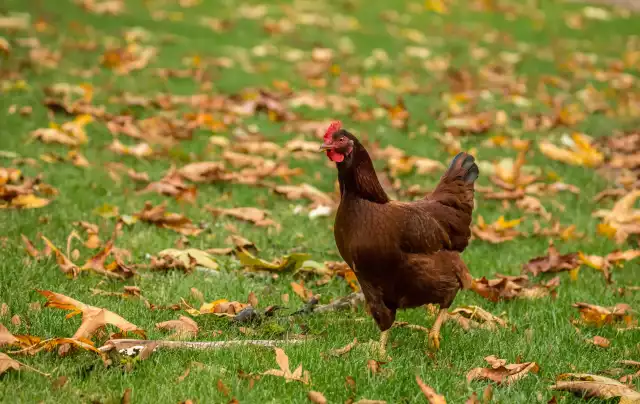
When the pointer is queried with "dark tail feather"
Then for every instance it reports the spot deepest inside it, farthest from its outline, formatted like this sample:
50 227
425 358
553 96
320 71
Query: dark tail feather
467 170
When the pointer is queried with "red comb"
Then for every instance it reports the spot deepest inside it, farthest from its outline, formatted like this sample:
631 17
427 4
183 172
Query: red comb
334 127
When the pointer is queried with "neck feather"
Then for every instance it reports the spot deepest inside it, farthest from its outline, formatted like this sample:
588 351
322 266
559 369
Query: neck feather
358 178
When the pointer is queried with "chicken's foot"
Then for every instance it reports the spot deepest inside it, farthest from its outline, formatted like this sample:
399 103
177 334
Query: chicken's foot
434 334
379 348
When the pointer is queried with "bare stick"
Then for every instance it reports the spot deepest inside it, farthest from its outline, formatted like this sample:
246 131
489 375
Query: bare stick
119 344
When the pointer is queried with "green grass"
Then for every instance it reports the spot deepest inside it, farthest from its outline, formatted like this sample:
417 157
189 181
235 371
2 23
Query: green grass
541 330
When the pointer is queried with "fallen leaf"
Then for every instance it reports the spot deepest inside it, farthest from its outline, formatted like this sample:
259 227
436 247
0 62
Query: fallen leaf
6 363
580 151
510 287
249 214
161 218
594 386
430 393
551 263
476 317
623 220
93 318
184 327
66 266
592 314
202 258
497 232
316 397
600 341
288 263
500 372
283 363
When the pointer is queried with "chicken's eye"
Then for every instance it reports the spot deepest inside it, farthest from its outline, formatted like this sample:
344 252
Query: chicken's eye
342 139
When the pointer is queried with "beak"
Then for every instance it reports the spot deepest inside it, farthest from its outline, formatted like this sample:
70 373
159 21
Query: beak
326 146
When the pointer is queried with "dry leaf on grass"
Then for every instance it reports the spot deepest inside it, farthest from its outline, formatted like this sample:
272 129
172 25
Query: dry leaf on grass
305 191
600 341
248 214
500 372
220 307
598 316
510 287
66 265
497 232
288 263
580 151
432 396
283 363
316 397
622 220
594 386
23 341
93 318
161 218
184 327
201 258
552 263
476 317
302 292
7 363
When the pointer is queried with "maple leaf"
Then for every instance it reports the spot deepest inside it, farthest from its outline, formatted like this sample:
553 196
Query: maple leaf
500 372
552 263
283 363
161 218
93 318
597 315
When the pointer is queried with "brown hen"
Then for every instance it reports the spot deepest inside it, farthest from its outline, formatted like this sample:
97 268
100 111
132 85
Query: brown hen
404 254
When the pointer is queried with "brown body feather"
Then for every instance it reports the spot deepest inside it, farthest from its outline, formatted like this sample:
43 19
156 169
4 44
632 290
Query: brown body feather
404 254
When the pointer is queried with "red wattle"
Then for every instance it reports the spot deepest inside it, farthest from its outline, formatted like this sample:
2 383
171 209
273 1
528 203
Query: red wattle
335 156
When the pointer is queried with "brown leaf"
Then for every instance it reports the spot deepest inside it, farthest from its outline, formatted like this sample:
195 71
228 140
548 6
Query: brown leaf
249 214
6 363
623 219
551 263
93 318
345 349
283 362
476 317
305 191
65 264
500 372
299 289
6 338
184 327
126 396
497 232
316 397
174 221
592 314
222 388
594 386
600 341
252 299
510 287
430 393
203 171
29 247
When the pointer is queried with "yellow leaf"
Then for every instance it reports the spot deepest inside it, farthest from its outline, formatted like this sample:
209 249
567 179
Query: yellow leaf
437 6
29 201
606 230
573 274
501 224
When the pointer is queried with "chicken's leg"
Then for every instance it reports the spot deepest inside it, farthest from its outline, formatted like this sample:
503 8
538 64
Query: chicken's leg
434 334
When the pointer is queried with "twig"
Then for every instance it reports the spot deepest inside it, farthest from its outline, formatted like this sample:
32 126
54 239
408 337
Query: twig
120 344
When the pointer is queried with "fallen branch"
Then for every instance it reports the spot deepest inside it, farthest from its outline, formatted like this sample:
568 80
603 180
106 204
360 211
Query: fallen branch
137 345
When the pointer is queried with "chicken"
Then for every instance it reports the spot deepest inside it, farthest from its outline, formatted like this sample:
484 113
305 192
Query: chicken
404 254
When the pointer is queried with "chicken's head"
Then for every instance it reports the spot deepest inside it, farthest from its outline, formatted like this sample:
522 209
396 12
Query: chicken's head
338 143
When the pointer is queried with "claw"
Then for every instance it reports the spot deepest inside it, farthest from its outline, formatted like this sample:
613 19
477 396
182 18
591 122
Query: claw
434 341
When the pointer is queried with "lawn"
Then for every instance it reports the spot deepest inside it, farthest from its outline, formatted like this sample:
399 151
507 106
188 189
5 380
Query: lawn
235 84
